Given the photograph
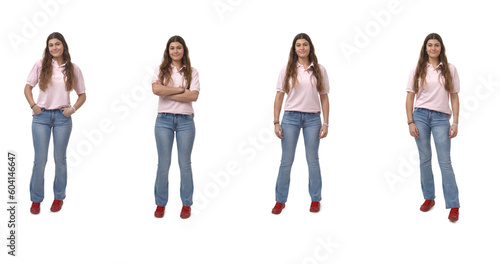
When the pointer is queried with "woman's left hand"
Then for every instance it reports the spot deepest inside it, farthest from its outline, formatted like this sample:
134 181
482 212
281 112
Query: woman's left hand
323 132
67 112
453 131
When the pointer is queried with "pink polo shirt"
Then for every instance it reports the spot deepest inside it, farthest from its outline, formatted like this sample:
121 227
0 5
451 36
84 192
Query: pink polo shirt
304 97
55 96
166 105
433 95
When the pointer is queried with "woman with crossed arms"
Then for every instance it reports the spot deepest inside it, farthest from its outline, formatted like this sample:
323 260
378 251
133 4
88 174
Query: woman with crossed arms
177 85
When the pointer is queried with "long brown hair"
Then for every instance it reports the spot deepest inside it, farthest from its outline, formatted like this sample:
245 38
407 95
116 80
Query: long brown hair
165 67
291 67
421 70
46 73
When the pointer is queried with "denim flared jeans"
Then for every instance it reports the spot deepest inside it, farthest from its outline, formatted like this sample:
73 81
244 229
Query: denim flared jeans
436 123
44 124
292 123
167 127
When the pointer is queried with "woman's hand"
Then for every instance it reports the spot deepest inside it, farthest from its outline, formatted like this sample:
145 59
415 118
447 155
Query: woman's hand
278 131
37 110
453 131
67 112
323 132
413 130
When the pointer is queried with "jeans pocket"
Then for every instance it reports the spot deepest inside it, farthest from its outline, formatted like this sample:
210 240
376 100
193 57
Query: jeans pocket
62 113
442 116
41 111
418 116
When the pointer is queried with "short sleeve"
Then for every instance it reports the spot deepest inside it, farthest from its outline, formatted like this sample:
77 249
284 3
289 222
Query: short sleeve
195 80
155 75
281 78
79 81
409 87
455 79
326 81
34 75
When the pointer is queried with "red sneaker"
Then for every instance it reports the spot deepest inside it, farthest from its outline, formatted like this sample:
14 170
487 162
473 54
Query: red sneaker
185 212
453 215
160 211
427 205
314 207
35 208
278 208
56 206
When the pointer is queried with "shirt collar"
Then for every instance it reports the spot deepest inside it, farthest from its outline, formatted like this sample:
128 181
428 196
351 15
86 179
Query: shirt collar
54 63
175 68
440 65
299 65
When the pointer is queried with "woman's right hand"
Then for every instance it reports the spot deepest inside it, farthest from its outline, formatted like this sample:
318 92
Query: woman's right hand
413 130
37 110
278 131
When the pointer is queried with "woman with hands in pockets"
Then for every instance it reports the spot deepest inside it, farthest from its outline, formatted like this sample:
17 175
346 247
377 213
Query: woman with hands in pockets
56 76
305 82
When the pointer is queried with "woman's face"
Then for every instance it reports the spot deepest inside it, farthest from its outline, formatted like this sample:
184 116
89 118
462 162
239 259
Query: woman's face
56 48
302 48
433 48
176 51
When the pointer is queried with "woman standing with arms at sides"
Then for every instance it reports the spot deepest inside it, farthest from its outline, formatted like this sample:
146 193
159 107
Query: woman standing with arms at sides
306 84
177 85
434 82
56 77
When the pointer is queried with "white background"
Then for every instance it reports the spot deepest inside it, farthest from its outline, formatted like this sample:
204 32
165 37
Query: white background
108 213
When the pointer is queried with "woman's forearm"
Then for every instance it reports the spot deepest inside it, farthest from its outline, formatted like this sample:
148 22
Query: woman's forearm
325 106
162 90
187 96
29 94
455 107
410 97
278 102
79 102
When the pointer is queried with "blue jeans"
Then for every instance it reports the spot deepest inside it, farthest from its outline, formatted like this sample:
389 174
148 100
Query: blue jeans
41 128
183 126
311 125
436 123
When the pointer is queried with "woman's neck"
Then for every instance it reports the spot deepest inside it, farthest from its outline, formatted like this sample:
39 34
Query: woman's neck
59 60
434 62
304 62
177 64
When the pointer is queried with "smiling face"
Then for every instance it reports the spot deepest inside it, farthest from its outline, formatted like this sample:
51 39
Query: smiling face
176 51
433 48
56 48
302 48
